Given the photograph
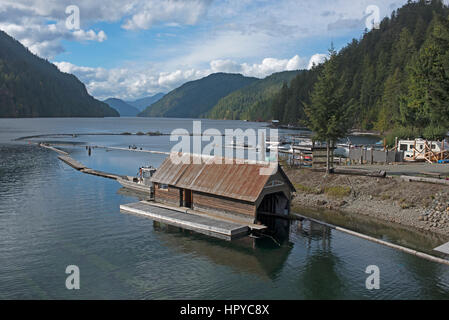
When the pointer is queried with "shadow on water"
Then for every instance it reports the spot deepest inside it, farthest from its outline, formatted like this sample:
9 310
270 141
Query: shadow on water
263 257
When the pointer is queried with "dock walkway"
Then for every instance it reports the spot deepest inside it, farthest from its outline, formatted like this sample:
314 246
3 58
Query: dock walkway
82 168
201 224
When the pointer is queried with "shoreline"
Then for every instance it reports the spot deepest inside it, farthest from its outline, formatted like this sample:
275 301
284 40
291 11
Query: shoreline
421 206
418 251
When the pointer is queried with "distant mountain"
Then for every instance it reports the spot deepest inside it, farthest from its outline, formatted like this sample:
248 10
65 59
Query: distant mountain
33 87
196 98
122 107
251 102
143 103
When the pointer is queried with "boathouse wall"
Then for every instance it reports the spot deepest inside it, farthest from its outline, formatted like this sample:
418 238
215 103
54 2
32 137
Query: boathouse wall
169 195
222 205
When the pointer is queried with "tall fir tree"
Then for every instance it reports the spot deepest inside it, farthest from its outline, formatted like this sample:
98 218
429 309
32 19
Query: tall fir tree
389 104
427 102
328 113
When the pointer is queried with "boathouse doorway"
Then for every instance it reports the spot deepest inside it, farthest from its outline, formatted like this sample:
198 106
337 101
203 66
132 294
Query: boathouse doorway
273 207
188 198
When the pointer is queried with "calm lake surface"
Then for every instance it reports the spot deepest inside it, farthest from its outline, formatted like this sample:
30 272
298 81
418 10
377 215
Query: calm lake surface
52 216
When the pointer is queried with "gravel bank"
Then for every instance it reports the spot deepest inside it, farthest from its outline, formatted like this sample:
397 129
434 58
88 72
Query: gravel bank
422 206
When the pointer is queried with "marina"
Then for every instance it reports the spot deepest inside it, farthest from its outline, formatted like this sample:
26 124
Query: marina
78 220
212 221
189 153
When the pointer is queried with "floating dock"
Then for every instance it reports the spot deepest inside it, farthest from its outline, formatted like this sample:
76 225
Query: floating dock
82 168
443 249
201 224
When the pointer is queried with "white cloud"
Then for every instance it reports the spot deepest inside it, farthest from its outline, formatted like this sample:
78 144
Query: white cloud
239 27
35 25
232 36
40 25
316 59
128 83
45 40
172 12
262 70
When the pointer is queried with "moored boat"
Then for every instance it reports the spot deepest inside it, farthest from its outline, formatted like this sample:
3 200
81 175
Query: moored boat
141 183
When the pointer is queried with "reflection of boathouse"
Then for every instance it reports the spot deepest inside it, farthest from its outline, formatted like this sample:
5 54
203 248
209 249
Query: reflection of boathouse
251 192
260 257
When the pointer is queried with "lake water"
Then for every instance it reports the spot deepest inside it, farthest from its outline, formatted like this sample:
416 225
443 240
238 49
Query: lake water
52 216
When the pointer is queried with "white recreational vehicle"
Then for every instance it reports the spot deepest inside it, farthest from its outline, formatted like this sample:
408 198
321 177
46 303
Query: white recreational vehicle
415 150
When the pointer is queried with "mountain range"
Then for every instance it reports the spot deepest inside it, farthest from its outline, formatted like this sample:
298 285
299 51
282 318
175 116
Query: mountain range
132 108
33 87
123 108
396 76
196 98
143 103
252 101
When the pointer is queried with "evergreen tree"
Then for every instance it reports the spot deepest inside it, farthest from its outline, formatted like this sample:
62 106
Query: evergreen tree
428 92
328 114
390 102
278 108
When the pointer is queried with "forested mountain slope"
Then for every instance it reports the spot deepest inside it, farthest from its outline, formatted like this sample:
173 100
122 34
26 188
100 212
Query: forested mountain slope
33 87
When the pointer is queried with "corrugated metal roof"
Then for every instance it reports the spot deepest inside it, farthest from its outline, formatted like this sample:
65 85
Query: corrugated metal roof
229 178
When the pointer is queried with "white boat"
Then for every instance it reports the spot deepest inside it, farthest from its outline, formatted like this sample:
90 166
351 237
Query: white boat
302 144
272 145
343 148
142 183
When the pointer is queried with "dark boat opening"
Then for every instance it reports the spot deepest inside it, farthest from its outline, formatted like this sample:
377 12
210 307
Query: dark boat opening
273 212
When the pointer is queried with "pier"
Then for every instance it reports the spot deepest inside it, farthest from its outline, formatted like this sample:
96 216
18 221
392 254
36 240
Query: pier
199 223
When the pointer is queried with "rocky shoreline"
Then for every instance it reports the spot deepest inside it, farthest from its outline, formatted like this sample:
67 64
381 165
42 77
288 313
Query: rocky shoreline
422 206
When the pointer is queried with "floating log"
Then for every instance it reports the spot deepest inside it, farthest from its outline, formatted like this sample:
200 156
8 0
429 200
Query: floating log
133 150
425 180
378 241
82 168
53 149
73 163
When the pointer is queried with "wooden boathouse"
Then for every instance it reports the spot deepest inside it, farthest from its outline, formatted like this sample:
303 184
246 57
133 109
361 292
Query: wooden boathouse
224 187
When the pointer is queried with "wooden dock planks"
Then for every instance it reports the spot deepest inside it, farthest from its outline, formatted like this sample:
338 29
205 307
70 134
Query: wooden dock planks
212 227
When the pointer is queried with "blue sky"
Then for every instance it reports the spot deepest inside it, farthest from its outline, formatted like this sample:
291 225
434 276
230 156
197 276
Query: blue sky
131 49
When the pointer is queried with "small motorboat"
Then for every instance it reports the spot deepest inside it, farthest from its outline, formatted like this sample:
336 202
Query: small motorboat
142 182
